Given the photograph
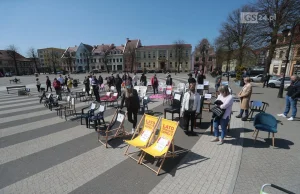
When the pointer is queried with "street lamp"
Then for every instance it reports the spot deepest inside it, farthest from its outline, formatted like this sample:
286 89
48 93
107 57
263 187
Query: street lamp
285 34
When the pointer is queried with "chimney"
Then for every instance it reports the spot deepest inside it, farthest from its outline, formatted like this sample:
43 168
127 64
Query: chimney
127 39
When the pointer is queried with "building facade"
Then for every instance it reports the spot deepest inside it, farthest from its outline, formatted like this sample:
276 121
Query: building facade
209 61
129 55
107 55
7 65
69 59
50 58
163 57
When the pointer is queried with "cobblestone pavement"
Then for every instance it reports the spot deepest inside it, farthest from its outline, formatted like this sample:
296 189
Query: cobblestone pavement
260 162
43 153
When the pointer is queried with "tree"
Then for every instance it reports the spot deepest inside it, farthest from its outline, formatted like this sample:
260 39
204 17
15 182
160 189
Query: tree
12 51
130 55
179 47
68 60
34 56
54 59
279 14
105 55
202 51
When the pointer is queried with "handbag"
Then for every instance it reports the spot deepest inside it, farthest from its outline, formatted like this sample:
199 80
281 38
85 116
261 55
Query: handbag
217 111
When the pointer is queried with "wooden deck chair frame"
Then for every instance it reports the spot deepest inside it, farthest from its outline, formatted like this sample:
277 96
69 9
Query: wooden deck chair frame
138 133
120 130
165 155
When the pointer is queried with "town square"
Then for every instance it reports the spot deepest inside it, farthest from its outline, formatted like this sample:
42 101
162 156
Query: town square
104 101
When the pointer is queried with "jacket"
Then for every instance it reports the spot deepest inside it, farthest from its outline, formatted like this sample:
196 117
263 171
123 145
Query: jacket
185 102
169 81
132 103
245 95
294 90
152 81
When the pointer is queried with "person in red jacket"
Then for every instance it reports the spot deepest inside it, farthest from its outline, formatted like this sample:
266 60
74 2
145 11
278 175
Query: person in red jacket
57 87
154 83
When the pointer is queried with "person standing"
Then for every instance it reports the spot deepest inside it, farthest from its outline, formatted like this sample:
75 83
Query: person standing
61 80
266 80
291 98
132 102
245 96
86 83
227 101
201 77
124 77
154 83
191 79
69 84
38 84
118 84
196 73
100 80
95 86
169 80
48 83
57 87
143 80
190 105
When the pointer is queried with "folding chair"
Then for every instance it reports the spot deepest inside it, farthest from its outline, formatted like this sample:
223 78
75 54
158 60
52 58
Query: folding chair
160 148
168 95
90 108
257 106
81 94
105 97
207 101
61 106
143 137
114 129
71 109
90 96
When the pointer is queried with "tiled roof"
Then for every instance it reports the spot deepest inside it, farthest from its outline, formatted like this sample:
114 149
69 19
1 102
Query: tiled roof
132 44
99 48
89 47
4 56
72 49
169 46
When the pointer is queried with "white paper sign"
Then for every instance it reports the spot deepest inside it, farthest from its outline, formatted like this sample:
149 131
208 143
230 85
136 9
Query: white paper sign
207 96
93 106
177 97
200 87
120 117
161 144
145 135
206 83
225 83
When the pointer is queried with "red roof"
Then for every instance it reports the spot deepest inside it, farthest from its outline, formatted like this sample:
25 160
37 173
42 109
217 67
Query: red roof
5 56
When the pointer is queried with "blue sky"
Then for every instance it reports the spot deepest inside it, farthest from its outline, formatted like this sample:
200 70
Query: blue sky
63 23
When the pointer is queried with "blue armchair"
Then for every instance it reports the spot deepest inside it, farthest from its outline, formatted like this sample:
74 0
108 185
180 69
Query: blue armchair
265 122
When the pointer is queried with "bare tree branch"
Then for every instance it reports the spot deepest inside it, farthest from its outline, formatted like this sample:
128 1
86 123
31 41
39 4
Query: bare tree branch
12 51
179 47
32 53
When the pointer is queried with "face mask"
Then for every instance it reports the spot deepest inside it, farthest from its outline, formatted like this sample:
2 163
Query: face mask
128 87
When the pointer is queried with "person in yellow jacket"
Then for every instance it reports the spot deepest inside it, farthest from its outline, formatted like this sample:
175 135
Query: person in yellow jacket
69 84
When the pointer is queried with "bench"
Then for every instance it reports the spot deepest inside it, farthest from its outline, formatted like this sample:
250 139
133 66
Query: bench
15 81
15 88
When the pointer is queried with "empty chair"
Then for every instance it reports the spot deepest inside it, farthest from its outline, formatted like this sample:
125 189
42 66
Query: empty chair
168 95
144 103
257 106
180 87
265 122
175 107
95 117
85 112
105 97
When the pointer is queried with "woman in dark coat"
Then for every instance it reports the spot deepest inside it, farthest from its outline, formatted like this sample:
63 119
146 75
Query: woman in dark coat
132 102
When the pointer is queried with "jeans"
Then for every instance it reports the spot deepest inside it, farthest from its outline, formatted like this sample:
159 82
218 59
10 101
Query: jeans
246 112
189 116
223 123
217 87
289 102
155 88
49 86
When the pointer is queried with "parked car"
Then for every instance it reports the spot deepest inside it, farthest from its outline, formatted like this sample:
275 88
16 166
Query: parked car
95 71
257 78
232 74
8 74
151 71
225 74
275 83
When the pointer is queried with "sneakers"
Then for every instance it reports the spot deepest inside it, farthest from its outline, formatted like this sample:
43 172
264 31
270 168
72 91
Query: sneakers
291 119
238 116
132 131
220 142
281 115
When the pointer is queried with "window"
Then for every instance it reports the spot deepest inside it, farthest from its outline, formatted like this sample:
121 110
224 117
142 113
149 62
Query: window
144 64
144 54
171 54
80 60
186 53
170 64
149 55
281 54
175 64
117 60
110 60
153 54
84 60
99 60
115 52
210 59
77 60
153 64
114 60
121 60
80 54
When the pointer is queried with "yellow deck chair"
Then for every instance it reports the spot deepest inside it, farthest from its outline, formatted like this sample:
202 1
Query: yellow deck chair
160 148
143 138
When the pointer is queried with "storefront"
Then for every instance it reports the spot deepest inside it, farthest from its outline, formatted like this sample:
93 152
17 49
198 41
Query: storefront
296 69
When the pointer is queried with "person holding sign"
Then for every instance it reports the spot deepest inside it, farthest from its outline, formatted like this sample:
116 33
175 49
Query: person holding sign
190 105
132 102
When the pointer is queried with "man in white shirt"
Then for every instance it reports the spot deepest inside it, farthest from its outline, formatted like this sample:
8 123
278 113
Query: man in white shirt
61 80
135 79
